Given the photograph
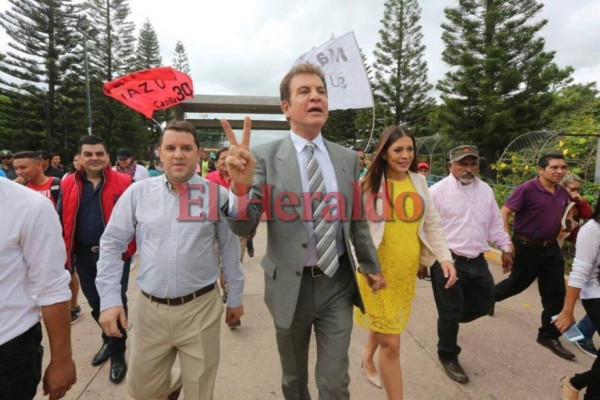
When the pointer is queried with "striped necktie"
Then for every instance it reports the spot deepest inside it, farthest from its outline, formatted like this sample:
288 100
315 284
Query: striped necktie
324 230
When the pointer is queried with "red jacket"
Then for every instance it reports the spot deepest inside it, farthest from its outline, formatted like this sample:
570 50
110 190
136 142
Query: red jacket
115 183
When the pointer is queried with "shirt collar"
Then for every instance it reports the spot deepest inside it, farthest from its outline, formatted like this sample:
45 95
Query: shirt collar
195 179
300 143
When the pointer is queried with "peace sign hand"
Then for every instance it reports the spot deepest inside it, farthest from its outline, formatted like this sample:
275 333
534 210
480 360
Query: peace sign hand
240 162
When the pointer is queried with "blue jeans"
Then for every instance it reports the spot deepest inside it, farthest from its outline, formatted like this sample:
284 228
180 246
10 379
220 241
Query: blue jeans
21 365
586 326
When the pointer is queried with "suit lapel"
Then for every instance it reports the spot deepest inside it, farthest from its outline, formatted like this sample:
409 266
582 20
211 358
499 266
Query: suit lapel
342 173
287 169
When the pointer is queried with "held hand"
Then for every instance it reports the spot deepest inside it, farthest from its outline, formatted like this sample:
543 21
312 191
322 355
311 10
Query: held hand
507 262
423 272
449 272
376 281
59 377
233 314
564 320
109 320
240 162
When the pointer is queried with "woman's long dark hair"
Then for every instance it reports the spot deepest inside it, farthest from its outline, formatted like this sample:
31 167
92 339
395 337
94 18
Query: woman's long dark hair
377 169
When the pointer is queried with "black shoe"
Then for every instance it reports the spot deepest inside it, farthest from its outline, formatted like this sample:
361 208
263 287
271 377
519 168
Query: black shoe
235 324
455 371
250 248
101 356
118 369
75 314
492 309
587 346
557 348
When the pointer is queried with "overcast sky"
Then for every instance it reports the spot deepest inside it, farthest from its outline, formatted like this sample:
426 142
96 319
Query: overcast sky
244 47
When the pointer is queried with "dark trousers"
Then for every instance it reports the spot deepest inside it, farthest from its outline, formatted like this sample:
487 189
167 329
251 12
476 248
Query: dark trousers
470 298
21 365
590 379
325 305
85 262
548 266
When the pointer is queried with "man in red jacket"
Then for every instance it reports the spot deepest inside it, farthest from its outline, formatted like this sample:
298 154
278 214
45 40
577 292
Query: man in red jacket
87 200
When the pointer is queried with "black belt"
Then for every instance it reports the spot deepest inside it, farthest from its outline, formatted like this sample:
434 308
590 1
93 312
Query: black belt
467 259
177 301
532 240
314 271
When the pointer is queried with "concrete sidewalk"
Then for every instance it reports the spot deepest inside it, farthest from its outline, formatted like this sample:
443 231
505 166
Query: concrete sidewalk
499 353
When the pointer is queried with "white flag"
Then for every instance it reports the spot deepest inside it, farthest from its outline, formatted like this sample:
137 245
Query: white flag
345 75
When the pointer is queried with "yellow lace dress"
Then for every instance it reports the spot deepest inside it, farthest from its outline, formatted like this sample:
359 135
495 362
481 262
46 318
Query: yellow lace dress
387 310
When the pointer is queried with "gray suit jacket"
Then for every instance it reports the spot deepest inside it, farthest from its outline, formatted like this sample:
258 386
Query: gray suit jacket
277 172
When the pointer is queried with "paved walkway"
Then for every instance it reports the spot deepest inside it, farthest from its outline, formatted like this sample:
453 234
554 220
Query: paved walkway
499 353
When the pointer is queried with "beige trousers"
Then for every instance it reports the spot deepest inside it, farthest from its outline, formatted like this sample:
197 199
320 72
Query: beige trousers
160 333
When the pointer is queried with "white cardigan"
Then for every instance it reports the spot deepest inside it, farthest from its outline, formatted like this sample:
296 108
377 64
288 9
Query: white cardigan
430 232
584 274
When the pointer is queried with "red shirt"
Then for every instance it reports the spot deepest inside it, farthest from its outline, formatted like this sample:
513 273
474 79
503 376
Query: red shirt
217 178
44 189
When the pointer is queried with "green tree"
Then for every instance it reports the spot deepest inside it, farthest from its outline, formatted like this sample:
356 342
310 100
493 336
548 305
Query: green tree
180 58
569 102
148 50
180 63
500 79
112 54
38 59
401 84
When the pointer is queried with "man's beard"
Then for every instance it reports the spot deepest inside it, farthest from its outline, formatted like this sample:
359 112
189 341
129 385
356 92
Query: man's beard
467 178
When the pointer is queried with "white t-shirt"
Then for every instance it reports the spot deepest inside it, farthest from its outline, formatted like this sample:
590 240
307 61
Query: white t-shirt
32 260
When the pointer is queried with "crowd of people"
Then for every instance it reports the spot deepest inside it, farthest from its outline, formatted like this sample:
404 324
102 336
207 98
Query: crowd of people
326 266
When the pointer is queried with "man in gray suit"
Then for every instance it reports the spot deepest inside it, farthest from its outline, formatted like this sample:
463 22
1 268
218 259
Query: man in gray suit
305 185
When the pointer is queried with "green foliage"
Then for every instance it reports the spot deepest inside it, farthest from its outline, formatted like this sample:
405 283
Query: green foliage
37 62
148 50
180 59
501 79
180 63
400 71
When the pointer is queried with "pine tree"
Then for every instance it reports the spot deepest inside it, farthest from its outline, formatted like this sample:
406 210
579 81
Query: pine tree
180 58
38 59
112 54
501 78
147 54
401 85
180 63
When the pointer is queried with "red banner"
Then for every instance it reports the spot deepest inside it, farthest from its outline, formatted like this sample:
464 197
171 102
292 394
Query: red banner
151 89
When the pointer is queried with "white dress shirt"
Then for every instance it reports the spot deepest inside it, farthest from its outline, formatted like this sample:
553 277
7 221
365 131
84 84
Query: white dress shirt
470 216
177 257
331 186
32 259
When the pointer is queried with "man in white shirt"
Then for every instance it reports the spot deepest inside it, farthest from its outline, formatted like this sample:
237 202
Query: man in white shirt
175 221
33 278
470 218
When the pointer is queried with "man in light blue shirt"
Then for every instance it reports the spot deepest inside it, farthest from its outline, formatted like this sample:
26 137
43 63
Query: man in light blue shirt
175 221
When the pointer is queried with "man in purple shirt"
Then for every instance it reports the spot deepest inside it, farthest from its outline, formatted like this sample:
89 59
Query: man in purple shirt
538 205
470 218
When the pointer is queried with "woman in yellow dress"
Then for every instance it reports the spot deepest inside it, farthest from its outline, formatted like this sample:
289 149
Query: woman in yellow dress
405 228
